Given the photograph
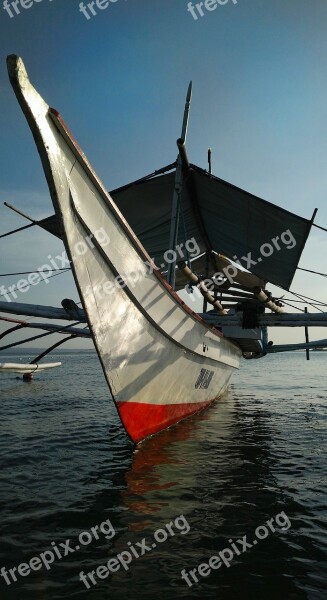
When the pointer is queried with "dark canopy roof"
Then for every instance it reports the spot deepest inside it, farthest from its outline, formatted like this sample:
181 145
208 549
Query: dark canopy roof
221 218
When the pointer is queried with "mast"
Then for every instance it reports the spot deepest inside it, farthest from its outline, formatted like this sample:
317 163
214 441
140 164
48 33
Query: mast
177 191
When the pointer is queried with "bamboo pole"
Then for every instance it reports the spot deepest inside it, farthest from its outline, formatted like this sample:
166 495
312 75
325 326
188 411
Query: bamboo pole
202 287
175 213
262 296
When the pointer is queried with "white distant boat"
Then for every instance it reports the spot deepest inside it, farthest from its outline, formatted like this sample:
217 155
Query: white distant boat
162 361
27 369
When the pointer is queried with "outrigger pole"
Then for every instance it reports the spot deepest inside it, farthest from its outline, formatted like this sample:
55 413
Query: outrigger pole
48 350
306 331
45 312
19 212
171 275
48 327
269 320
43 223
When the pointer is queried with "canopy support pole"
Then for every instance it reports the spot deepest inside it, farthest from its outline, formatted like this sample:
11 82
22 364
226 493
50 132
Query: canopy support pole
307 350
171 275
205 303
209 162
175 222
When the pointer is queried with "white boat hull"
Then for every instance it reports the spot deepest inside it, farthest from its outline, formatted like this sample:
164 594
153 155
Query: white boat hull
162 362
27 369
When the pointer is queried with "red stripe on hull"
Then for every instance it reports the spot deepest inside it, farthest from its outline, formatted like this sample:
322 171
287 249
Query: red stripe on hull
141 420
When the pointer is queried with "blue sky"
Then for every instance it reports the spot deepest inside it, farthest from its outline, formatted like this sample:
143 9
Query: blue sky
119 79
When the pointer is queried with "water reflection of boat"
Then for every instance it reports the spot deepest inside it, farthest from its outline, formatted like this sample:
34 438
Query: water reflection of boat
155 467
176 454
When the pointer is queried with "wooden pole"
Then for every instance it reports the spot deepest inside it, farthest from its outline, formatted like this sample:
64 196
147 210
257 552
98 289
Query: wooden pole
178 190
203 289
205 303
272 320
261 296
307 351
209 161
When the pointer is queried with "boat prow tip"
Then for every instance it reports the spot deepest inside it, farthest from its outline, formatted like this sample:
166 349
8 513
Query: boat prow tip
16 68
32 104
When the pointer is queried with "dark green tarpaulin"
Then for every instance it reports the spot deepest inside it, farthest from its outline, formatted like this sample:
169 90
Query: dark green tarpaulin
221 217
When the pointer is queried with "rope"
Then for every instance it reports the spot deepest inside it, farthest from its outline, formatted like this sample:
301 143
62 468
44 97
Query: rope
307 298
32 272
282 299
314 272
313 301
15 288
292 306
301 296
319 227
16 230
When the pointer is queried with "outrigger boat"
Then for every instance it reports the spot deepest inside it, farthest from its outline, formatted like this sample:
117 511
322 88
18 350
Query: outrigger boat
131 251
27 370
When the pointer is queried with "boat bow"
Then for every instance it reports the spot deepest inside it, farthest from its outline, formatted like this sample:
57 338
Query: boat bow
161 360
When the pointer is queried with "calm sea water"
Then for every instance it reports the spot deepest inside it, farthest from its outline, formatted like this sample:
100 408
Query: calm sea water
67 466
